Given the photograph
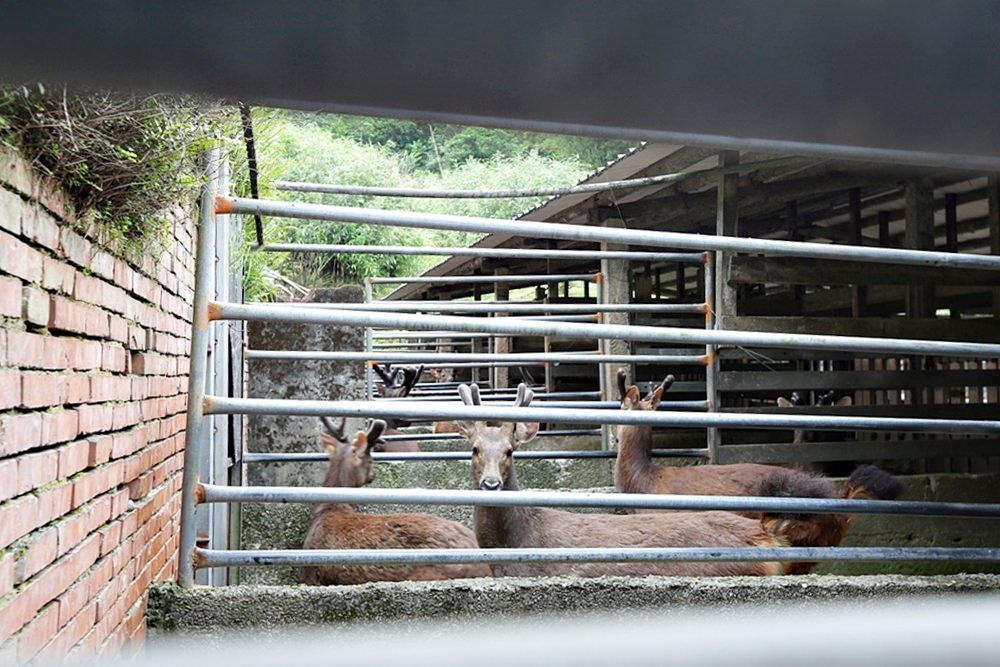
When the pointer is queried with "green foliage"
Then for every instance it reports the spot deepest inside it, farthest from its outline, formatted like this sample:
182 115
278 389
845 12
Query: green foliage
122 158
346 150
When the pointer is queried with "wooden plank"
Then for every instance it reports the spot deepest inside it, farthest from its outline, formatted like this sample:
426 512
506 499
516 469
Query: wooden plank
966 411
943 329
806 271
919 235
853 380
858 450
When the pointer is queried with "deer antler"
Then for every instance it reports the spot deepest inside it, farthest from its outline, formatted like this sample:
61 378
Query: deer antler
622 374
374 431
335 427
383 372
524 396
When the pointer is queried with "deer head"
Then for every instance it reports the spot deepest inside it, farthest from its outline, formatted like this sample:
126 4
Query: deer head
399 383
797 400
493 443
630 397
350 462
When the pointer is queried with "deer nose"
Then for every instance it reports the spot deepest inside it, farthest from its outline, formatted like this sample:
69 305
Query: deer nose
490 484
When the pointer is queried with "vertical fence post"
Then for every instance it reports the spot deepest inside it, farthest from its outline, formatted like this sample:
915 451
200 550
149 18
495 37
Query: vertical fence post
197 431
369 347
713 434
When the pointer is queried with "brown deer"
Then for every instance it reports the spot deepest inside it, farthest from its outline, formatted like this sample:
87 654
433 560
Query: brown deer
493 469
635 472
397 384
339 526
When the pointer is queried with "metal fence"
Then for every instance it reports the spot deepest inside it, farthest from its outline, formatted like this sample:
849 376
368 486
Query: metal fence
373 315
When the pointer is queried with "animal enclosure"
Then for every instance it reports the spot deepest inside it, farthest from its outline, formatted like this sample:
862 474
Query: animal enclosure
809 303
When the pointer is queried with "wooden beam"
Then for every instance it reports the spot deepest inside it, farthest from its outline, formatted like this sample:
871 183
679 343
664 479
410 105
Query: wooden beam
804 271
974 331
770 381
858 450
919 235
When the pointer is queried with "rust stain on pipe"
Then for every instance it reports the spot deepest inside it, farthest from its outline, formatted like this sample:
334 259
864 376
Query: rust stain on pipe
223 205
214 311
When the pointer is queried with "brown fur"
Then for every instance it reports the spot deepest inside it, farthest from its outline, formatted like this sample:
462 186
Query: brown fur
635 472
339 526
512 527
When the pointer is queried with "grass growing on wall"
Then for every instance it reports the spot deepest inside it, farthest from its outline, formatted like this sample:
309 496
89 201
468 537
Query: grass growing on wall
123 159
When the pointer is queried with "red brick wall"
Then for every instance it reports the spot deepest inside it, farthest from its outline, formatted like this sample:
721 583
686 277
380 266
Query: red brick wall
93 382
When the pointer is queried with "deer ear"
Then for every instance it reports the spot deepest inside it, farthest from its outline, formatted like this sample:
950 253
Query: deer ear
466 429
655 397
328 442
631 398
525 432
784 402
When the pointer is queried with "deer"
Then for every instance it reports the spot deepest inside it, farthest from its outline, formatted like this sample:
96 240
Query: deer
339 526
493 469
635 472
397 384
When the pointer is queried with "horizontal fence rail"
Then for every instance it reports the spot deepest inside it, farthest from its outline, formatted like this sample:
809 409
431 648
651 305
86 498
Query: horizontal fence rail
444 411
210 493
502 307
254 457
301 557
556 277
532 229
473 358
895 346
508 253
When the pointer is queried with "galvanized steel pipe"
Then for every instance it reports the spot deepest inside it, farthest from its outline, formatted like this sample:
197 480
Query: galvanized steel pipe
504 253
458 358
535 229
507 327
301 557
316 495
445 411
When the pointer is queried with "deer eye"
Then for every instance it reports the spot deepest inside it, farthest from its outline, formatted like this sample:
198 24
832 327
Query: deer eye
509 453
475 450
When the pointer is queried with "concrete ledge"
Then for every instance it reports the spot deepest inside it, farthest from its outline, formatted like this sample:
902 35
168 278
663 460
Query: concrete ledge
212 612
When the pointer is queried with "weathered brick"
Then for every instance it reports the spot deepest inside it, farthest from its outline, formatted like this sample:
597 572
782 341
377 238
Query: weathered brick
73 458
6 574
37 633
42 390
117 328
20 432
94 418
10 389
19 259
85 354
57 276
36 470
26 350
10 297
10 211
100 450
71 632
113 358
8 481
60 426
103 264
95 291
53 502
17 519
76 248
77 389
110 388
40 227
40 551
123 275
35 305
95 482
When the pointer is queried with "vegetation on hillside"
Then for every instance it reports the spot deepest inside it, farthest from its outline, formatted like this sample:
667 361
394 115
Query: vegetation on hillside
390 153
125 158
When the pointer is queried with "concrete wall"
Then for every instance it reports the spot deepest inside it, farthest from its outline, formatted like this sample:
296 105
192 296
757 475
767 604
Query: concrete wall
93 389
